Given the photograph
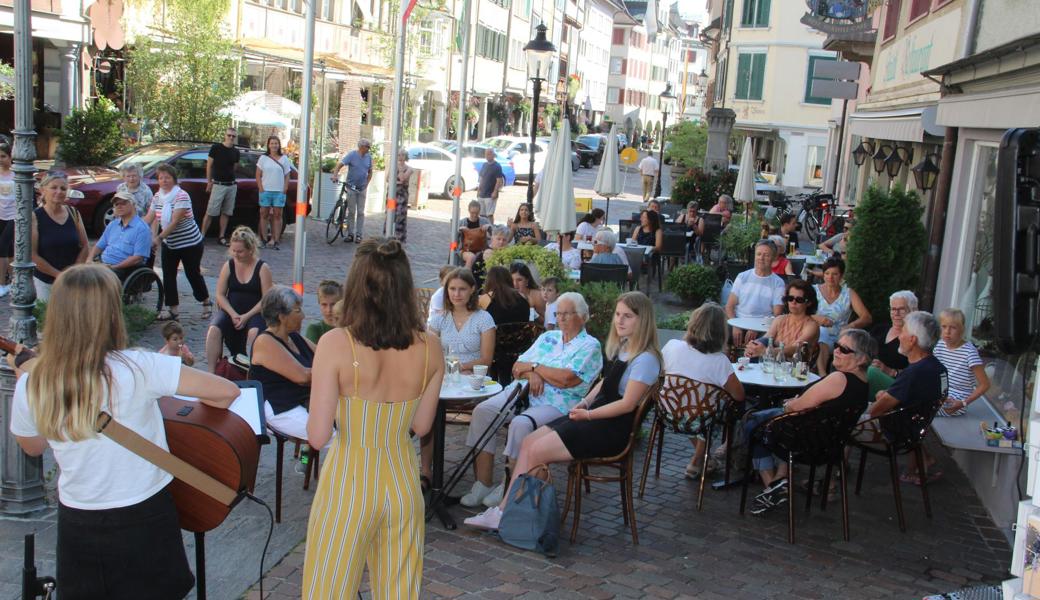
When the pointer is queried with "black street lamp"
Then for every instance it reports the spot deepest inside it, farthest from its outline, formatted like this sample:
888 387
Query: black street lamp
880 156
860 154
895 161
926 172
667 102
539 57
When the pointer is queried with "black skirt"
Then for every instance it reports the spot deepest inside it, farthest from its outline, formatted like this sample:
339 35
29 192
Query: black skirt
594 439
128 552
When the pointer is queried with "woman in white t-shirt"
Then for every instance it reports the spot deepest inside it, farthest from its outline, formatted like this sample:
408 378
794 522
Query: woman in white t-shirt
118 532
700 356
272 180
8 211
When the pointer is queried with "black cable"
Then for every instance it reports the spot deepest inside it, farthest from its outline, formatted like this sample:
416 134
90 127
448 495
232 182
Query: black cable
270 530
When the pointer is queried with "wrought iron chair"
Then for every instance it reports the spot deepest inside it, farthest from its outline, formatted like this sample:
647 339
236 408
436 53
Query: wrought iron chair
578 472
691 408
512 340
900 431
610 273
423 295
814 437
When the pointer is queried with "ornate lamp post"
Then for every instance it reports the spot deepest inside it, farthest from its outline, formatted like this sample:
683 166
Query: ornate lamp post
667 103
539 57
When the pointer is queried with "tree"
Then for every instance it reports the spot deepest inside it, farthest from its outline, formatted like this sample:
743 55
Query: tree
6 81
689 142
180 85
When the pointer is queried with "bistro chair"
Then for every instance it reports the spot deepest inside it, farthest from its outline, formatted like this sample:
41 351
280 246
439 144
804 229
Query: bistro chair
673 249
798 266
312 465
625 229
423 295
578 472
669 209
636 259
899 431
511 340
814 437
691 408
710 238
610 273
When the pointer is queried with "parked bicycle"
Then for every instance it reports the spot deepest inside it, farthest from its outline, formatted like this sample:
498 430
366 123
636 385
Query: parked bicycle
817 217
336 224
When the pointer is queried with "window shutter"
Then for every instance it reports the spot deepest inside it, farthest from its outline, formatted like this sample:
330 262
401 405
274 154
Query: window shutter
762 18
743 75
747 14
758 76
891 18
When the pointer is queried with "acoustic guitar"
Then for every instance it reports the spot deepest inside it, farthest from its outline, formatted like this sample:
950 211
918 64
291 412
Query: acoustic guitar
216 441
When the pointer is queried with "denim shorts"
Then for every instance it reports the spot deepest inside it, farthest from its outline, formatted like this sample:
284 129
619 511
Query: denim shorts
275 199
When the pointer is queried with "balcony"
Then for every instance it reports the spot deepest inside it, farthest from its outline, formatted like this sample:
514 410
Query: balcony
848 25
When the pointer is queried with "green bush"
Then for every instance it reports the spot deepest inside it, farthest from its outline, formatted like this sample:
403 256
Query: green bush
677 321
740 235
137 318
703 187
92 135
328 164
601 296
694 283
689 141
546 262
886 251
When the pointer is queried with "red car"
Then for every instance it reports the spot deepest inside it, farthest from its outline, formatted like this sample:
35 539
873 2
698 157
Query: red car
98 184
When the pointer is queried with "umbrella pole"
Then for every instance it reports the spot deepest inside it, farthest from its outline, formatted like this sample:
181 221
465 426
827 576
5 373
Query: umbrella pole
606 216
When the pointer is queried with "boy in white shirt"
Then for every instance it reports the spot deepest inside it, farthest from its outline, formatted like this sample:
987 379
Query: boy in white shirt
550 294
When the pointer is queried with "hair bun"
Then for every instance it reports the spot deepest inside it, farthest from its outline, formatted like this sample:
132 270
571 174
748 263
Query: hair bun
389 248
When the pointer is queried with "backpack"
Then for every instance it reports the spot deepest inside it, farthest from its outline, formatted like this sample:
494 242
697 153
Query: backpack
531 519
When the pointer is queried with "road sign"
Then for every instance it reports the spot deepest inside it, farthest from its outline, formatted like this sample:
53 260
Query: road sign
822 88
629 156
837 69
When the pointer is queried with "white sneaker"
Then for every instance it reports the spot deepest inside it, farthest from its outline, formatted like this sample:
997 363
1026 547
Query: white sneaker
494 497
488 519
476 495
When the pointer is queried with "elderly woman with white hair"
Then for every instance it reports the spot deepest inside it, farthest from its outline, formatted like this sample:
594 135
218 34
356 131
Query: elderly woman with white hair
603 244
559 369
281 360
889 360
132 184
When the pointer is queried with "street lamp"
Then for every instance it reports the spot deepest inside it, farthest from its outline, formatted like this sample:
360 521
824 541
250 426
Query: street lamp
860 154
702 80
539 56
926 172
880 156
667 103
900 156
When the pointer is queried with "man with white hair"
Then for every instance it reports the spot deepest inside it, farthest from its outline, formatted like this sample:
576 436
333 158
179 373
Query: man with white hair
924 381
559 369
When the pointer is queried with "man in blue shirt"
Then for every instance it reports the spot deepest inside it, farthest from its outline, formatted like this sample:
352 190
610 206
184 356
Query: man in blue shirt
491 181
126 243
359 172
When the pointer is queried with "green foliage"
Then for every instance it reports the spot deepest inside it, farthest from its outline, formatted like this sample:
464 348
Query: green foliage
703 187
328 164
886 251
694 283
601 296
179 88
689 143
740 235
546 262
6 74
92 135
137 318
677 321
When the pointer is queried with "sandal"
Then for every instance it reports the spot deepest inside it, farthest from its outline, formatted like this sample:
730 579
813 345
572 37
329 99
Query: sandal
166 315
224 242
207 309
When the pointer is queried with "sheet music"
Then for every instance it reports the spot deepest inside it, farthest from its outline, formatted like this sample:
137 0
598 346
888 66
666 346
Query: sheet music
246 406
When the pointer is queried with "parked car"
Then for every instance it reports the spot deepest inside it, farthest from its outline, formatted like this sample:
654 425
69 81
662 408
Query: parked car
518 149
476 152
586 155
439 166
575 162
597 143
622 141
98 183
763 189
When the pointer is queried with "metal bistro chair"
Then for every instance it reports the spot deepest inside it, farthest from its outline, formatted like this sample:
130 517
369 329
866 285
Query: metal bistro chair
710 239
625 229
636 259
673 248
813 437
578 472
423 295
512 340
691 408
668 209
900 431
610 273
798 266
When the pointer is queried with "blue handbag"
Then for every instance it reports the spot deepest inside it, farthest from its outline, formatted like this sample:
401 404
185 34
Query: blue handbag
531 519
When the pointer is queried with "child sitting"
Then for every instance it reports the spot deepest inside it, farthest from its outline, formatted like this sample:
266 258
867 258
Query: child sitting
550 293
329 292
173 333
967 376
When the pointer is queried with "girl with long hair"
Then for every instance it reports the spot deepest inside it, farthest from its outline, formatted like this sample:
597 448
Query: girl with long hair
272 181
118 532
525 283
524 227
501 300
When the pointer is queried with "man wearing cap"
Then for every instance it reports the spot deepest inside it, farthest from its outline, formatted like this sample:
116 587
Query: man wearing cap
126 243
359 172
221 183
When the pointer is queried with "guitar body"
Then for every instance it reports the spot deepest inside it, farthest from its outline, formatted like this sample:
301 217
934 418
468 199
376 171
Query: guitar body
217 442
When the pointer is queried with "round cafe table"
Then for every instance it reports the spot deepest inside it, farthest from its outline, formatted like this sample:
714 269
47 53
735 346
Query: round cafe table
451 393
752 375
749 323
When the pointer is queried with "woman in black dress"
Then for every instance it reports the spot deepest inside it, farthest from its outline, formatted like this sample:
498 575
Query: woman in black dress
601 423
501 299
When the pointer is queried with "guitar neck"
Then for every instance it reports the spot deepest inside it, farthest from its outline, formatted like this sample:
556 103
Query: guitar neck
7 345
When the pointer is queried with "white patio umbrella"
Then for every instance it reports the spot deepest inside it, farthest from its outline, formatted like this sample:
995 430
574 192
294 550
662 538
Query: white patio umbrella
556 194
744 191
608 179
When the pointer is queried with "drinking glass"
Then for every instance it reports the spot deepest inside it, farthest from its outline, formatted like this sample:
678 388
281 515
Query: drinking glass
782 371
767 362
452 363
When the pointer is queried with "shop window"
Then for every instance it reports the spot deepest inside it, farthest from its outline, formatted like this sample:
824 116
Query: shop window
755 13
810 77
814 159
892 10
751 70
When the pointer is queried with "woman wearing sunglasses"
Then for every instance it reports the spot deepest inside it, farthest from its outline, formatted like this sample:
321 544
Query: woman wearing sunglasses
793 327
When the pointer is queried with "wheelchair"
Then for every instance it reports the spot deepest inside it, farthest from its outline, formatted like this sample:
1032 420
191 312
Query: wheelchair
141 285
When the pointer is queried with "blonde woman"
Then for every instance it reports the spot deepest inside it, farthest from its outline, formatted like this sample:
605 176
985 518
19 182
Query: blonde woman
117 525
59 239
601 423
241 285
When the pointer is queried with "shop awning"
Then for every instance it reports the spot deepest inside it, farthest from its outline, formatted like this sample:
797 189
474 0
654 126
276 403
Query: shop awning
295 55
994 110
906 125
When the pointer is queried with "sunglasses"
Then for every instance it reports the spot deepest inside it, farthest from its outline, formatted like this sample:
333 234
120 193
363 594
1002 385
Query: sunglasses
844 349
795 299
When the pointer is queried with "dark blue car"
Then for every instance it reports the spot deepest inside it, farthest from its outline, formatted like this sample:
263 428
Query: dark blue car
475 152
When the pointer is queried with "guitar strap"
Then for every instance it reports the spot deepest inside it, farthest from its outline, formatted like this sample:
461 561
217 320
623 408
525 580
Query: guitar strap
163 459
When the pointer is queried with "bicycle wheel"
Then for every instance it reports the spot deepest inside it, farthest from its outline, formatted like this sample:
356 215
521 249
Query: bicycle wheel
811 227
334 224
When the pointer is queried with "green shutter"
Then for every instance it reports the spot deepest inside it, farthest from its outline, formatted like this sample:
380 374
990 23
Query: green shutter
743 75
809 98
762 19
747 14
758 76
727 16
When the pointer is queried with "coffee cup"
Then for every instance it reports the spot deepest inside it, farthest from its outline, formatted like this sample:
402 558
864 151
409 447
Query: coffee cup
480 370
476 382
743 362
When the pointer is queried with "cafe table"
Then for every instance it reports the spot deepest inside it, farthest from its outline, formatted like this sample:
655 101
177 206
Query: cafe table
810 259
751 323
458 393
752 374
646 249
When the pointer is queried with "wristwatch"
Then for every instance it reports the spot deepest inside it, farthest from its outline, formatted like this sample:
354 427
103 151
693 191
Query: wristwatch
534 366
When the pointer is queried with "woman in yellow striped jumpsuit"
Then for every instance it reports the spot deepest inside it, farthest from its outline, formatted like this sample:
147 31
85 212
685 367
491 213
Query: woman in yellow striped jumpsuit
377 376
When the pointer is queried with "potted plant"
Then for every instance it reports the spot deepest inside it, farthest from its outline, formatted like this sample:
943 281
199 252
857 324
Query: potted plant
545 263
672 327
887 248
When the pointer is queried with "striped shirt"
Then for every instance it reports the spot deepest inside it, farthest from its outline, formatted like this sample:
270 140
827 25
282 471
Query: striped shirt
959 363
186 233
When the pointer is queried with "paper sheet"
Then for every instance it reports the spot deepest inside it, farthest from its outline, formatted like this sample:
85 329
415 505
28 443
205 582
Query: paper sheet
246 406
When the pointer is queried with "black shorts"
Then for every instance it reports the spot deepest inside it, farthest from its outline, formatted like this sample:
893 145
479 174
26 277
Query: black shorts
6 239
128 552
